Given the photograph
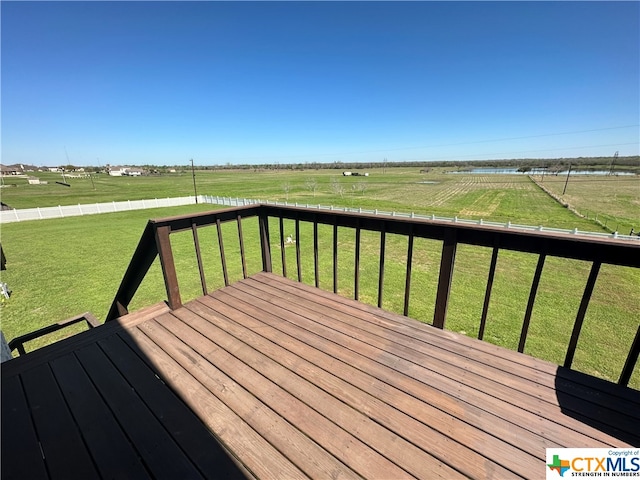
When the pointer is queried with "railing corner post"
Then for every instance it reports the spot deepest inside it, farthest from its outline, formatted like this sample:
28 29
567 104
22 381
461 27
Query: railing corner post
168 266
264 241
446 275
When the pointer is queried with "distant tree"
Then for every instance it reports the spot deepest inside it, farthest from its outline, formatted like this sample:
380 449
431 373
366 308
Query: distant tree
286 187
312 185
524 169
336 187
361 186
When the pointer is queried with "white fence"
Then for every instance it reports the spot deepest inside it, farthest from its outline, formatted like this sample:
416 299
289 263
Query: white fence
42 213
239 202
7 216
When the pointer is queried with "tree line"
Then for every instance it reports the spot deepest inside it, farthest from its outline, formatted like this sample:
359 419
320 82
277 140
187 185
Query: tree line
632 162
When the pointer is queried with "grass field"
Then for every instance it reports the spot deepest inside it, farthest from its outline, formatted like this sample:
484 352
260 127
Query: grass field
613 200
59 268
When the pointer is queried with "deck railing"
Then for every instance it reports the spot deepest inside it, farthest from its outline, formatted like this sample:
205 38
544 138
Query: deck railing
155 242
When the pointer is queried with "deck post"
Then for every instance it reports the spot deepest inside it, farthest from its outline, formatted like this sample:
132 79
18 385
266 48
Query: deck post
264 241
223 257
241 241
316 271
356 264
196 244
298 253
407 281
531 302
335 255
283 255
383 236
168 267
631 361
447 260
487 294
586 296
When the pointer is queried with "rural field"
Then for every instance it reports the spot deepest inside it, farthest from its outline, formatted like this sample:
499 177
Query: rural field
612 200
63 267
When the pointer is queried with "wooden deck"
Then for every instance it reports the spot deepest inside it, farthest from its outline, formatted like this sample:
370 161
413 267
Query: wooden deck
270 378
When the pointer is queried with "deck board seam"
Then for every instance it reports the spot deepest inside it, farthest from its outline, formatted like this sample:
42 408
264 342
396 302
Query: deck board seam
506 354
444 378
227 319
139 335
248 392
214 366
293 382
630 409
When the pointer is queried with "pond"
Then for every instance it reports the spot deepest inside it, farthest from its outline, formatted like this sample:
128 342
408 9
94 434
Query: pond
535 171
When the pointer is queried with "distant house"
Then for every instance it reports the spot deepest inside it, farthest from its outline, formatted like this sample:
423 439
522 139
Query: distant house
11 169
116 171
133 172
125 171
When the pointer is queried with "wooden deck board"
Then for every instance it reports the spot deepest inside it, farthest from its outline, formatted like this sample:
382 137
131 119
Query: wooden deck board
463 388
57 432
184 427
19 440
270 378
257 373
360 395
200 393
109 447
502 384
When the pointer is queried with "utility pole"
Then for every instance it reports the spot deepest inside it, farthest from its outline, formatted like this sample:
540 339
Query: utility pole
565 183
193 174
615 156
67 155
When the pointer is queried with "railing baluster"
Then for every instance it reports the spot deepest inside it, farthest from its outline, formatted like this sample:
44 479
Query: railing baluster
316 271
282 252
582 310
241 240
532 299
298 258
196 243
449 246
356 273
383 236
264 242
631 361
223 257
335 258
487 294
168 267
407 282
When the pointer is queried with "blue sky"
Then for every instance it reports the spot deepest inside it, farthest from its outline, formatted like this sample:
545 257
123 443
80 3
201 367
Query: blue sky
266 82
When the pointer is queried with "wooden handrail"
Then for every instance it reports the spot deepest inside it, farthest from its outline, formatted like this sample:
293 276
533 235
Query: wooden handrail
18 342
156 240
143 257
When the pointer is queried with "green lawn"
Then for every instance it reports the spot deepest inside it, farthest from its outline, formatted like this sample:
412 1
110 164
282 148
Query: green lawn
613 200
59 268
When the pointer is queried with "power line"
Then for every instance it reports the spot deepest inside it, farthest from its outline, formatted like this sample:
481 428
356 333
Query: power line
504 139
